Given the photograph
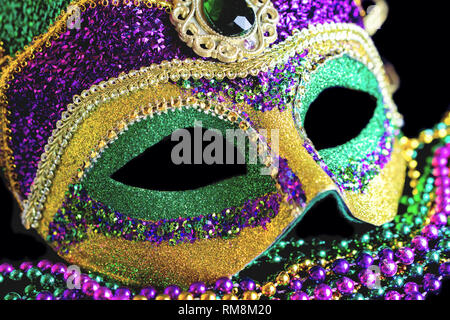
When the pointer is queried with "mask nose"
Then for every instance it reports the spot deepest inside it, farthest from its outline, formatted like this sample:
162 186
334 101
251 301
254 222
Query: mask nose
328 218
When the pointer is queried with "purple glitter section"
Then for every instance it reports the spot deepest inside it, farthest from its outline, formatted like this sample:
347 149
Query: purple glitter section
114 40
299 14
111 40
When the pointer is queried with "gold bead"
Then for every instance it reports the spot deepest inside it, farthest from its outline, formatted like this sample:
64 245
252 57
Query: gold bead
208 295
268 289
185 296
293 270
414 143
283 278
250 295
229 297
162 297
138 297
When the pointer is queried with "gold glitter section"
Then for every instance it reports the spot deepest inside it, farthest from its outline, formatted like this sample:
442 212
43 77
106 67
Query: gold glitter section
376 206
379 203
144 263
314 180
89 133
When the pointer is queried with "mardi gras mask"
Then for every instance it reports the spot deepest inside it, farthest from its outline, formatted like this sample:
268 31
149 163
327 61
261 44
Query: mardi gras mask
107 84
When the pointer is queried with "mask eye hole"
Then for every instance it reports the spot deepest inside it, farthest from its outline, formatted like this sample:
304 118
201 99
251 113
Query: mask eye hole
154 169
337 116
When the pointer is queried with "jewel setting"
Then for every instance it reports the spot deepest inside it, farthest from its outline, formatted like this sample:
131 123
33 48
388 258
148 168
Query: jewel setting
229 31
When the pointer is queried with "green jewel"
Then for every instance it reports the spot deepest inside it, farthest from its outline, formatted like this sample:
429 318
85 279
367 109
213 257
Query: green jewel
230 18
31 290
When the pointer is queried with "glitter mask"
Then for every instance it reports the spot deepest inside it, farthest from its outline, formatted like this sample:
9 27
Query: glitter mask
81 103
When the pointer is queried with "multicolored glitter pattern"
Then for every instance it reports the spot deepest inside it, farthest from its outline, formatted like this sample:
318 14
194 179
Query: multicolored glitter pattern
357 174
81 213
125 37
111 40
354 164
272 89
155 204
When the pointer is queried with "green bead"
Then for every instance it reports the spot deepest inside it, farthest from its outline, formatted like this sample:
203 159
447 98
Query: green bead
16 275
434 256
12 296
33 273
31 290
47 281
358 296
1 278
417 270
58 292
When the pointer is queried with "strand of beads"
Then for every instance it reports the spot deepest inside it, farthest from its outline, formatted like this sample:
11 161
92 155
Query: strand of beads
408 272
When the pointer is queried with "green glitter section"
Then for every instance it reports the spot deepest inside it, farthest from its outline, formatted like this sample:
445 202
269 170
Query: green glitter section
156 205
351 74
21 21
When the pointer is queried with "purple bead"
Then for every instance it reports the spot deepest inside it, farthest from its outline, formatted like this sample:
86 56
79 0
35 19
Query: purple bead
387 254
364 260
414 296
442 182
25 266
58 268
89 287
317 273
388 267
345 285
296 285
405 255
224 285
172 291
410 287
444 269
70 294
84 278
341 266
45 295
148 292
420 244
44 265
122 294
367 278
431 284
323 292
430 231
103 293
299 296
247 285
6 267
392 295
197 288
439 219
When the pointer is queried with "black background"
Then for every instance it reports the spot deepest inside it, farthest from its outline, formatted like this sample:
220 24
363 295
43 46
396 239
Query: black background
414 39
